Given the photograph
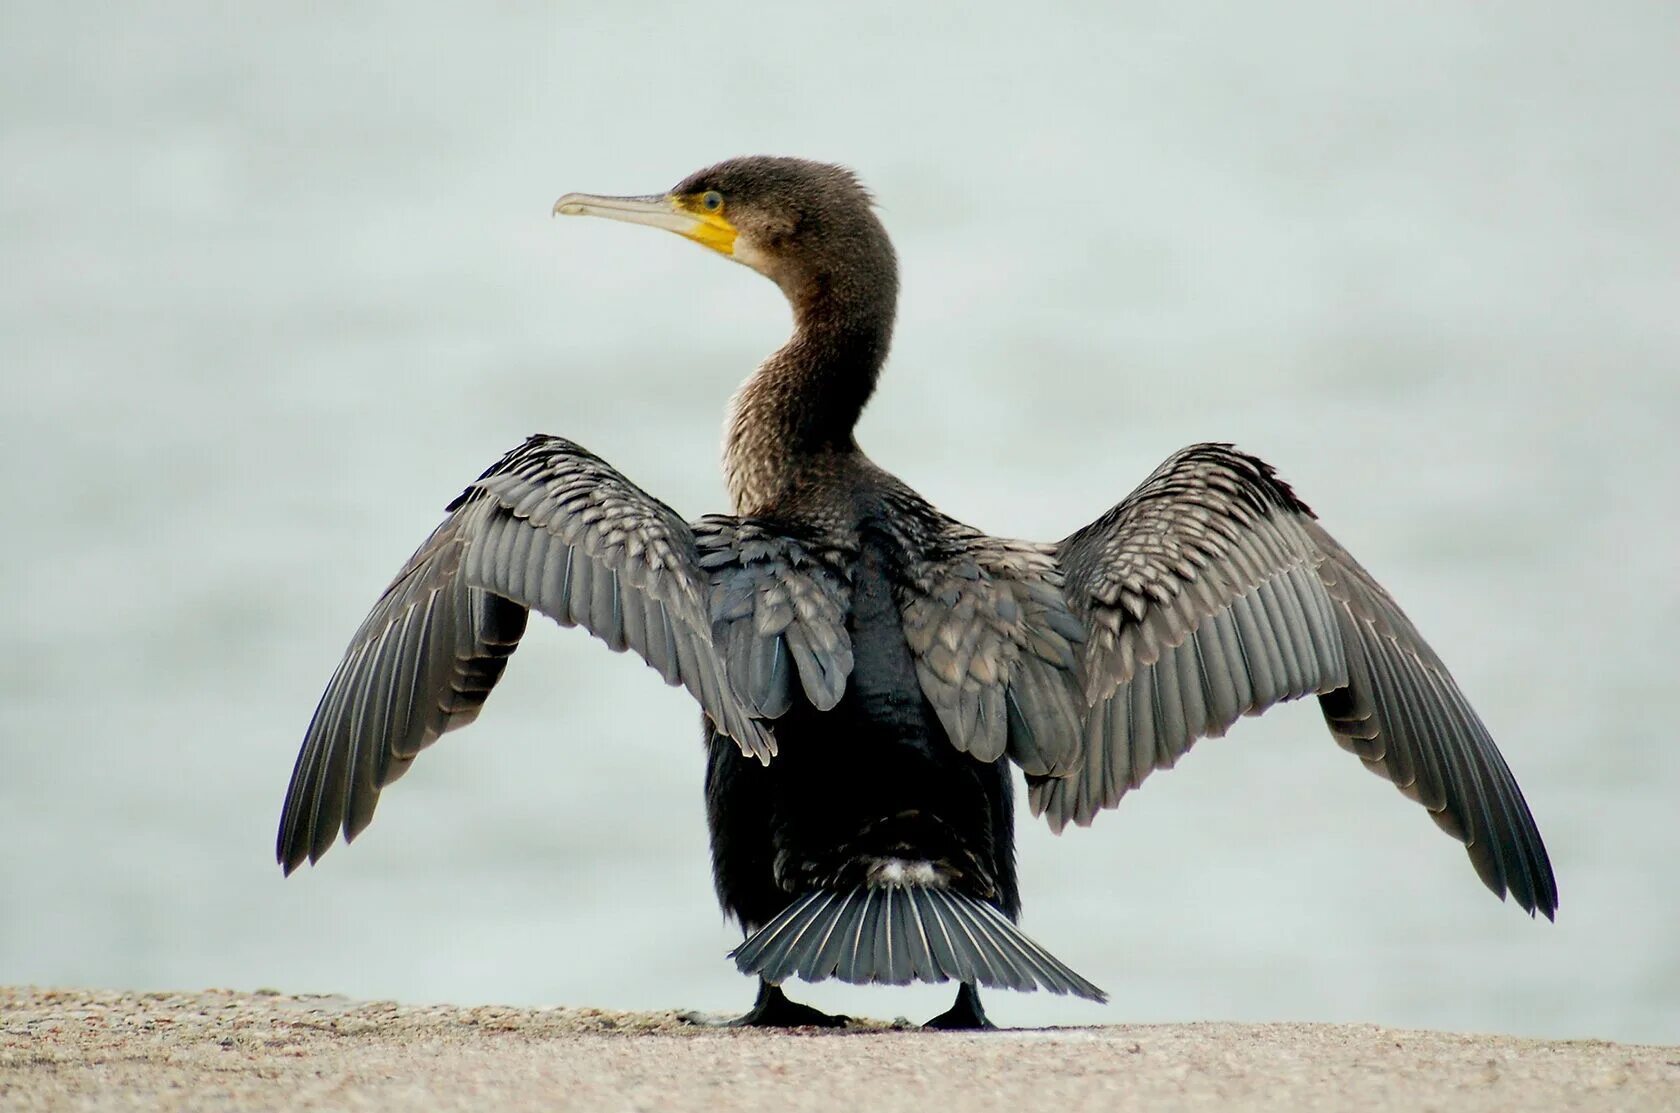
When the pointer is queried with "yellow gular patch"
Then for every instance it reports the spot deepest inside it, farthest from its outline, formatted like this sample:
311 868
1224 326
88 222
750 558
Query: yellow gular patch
712 229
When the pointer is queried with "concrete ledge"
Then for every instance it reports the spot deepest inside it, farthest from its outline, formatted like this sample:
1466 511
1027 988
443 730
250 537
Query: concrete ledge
62 1049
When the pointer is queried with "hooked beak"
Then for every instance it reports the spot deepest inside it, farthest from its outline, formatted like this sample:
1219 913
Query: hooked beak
658 211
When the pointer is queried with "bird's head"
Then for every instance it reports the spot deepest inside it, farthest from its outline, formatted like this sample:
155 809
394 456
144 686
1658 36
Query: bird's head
807 226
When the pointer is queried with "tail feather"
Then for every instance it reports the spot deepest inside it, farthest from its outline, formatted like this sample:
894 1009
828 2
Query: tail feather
1029 960
941 949
826 954
896 934
856 961
780 951
996 957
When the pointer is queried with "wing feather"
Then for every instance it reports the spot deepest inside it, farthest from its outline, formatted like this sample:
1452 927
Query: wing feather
1212 592
779 603
552 528
994 644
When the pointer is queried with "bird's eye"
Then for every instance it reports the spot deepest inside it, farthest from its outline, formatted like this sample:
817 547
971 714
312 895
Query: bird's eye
711 200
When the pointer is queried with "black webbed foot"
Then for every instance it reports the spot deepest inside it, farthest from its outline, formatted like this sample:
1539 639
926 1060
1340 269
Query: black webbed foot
965 1014
774 1010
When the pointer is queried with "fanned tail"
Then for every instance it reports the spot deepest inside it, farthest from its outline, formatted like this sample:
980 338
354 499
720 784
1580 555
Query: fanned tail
896 934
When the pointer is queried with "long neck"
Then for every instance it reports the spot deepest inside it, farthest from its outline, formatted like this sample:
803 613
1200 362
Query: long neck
795 415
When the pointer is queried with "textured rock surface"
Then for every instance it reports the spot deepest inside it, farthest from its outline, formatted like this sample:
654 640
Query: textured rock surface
75 1049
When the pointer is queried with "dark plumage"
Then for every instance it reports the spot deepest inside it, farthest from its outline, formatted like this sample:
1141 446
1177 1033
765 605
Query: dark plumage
869 667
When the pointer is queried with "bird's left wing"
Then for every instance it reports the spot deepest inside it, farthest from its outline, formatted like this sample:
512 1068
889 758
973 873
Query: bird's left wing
780 597
552 528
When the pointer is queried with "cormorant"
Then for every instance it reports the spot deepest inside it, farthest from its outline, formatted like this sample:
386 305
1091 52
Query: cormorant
868 667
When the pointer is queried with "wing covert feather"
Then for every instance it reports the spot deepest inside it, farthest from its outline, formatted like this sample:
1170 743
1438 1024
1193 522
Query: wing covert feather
779 601
995 647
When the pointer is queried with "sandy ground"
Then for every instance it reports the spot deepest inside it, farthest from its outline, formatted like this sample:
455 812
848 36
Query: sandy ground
73 1049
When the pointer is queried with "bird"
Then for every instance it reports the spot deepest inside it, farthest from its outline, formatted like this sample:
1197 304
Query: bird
869 668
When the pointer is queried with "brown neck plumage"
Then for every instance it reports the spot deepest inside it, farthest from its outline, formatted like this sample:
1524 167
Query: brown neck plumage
792 420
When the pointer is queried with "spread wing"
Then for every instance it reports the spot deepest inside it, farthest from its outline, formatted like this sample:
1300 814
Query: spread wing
779 603
995 646
1212 592
551 528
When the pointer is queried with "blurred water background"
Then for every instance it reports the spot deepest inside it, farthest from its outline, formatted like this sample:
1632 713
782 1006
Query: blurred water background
279 282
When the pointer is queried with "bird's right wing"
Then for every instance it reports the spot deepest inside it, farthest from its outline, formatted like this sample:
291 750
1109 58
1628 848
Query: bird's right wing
552 528
1211 592
995 646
